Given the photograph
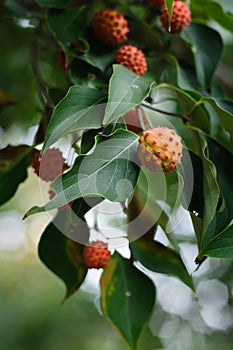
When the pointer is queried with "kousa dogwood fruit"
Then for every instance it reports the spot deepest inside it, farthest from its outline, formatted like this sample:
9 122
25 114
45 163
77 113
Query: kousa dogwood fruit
160 149
181 17
96 254
132 58
49 165
110 27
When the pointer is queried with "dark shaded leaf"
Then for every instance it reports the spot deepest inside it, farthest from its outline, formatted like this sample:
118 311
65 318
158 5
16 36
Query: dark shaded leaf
82 108
67 25
190 107
223 217
82 73
14 161
62 255
125 305
205 193
159 258
220 246
53 3
88 140
215 11
126 91
206 54
196 204
224 111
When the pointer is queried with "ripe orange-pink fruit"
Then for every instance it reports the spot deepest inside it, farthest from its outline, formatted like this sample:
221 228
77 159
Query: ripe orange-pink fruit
160 149
110 27
49 165
132 58
96 254
181 17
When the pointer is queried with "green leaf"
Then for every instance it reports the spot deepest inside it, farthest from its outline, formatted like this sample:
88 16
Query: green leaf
81 108
196 204
53 3
169 4
225 117
163 68
126 305
198 228
220 124
205 192
155 201
206 55
159 258
14 161
62 255
189 106
187 79
6 99
152 190
126 91
223 217
82 73
88 140
97 56
214 11
220 246
223 159
67 25
109 171
27 111
79 208
230 345
20 9
210 187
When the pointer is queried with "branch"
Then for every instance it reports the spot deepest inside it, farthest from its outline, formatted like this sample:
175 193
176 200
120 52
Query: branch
185 118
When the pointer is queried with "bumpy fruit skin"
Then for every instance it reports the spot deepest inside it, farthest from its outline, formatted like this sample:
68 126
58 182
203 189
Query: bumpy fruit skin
49 165
181 17
96 255
160 149
110 27
132 58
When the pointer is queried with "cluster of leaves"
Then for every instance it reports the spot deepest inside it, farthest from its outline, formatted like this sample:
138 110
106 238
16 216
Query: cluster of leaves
87 96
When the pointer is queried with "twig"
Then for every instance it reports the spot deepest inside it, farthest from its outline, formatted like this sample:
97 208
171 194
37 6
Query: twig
181 116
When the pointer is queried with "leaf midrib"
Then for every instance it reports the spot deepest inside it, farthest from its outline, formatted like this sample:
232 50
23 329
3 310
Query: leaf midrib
122 98
213 239
87 178
85 110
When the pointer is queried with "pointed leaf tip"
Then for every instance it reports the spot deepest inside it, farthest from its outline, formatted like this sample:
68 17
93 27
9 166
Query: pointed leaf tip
119 286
